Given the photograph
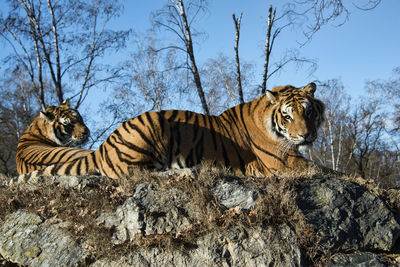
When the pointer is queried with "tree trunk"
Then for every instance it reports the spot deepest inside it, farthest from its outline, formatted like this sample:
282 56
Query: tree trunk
271 19
60 93
239 76
190 52
333 161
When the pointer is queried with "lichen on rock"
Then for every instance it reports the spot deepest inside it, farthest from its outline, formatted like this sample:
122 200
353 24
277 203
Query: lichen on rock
27 239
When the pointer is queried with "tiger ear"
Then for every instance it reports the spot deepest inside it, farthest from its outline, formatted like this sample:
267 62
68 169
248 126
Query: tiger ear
46 116
272 96
66 103
310 88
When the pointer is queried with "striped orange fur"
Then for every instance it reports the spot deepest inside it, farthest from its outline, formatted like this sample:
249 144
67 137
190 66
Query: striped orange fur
48 137
256 138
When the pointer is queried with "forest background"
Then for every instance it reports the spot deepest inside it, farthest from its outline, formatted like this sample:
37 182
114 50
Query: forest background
117 59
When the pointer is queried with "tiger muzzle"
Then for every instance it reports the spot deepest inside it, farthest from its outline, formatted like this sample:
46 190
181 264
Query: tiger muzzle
82 136
305 139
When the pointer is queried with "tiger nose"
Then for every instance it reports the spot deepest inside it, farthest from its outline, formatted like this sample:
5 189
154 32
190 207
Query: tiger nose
309 137
82 134
304 136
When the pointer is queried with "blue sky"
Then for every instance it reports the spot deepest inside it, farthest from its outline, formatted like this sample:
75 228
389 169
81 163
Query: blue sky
365 48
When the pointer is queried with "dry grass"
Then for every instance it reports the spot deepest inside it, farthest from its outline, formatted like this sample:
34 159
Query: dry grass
79 208
3 178
276 205
392 199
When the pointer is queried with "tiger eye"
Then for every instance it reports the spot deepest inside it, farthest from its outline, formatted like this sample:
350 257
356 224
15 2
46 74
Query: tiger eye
287 117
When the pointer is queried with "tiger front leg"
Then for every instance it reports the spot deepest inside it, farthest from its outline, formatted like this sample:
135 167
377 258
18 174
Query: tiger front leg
275 162
300 164
256 168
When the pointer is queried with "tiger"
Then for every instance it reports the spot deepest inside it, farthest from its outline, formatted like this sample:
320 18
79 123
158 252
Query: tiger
48 138
260 137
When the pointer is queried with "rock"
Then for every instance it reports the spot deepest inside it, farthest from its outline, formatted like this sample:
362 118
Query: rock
66 181
127 221
234 193
27 239
163 224
357 260
147 212
346 215
184 172
272 246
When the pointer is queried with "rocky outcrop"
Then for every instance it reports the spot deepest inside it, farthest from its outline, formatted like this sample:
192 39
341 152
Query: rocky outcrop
357 259
149 212
234 193
347 216
235 247
168 226
27 239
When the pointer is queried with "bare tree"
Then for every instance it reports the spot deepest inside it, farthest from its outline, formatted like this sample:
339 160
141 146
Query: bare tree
151 79
268 46
55 50
17 110
178 19
219 78
151 76
154 71
46 36
391 93
353 138
220 82
275 26
366 131
385 161
329 149
237 22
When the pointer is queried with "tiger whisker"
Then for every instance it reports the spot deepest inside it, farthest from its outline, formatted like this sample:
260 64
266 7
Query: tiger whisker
284 146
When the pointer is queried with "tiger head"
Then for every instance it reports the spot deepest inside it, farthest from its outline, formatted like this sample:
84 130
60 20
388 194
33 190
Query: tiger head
65 125
296 115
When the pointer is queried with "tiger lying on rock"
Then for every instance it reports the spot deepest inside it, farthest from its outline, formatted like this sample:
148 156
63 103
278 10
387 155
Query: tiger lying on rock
260 137
47 138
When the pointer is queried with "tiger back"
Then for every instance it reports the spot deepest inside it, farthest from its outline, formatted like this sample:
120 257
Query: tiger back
260 137
48 139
